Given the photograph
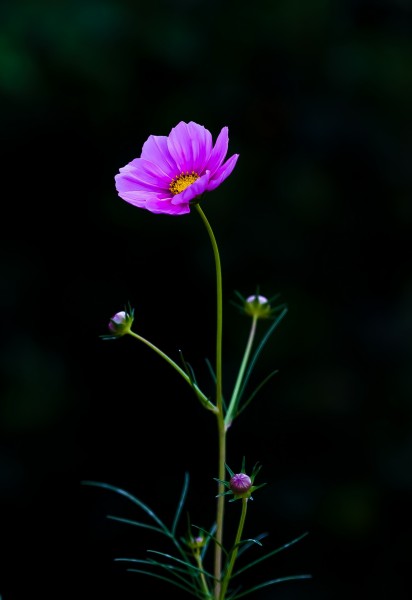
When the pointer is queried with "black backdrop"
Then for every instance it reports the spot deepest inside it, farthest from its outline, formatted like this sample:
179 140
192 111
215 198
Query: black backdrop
317 99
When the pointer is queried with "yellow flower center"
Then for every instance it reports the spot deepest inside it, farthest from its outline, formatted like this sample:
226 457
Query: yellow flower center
182 181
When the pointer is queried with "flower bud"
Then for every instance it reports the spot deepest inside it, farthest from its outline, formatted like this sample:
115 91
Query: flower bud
240 483
196 543
257 306
120 324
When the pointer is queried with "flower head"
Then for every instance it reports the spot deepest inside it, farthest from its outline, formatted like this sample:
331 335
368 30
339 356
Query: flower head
174 171
120 324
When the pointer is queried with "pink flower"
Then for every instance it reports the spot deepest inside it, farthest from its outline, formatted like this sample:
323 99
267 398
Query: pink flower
174 170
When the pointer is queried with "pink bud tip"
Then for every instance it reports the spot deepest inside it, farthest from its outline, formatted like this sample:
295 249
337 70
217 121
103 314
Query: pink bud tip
240 483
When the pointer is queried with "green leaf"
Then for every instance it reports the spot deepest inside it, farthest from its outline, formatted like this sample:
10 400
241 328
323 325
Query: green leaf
133 499
167 579
248 541
211 537
269 554
248 545
256 390
211 370
188 368
213 374
135 523
208 536
188 564
181 503
154 563
260 348
271 582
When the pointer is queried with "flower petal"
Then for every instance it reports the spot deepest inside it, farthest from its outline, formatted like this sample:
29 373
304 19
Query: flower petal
141 174
155 150
222 173
192 191
154 202
190 145
202 144
219 151
165 206
139 197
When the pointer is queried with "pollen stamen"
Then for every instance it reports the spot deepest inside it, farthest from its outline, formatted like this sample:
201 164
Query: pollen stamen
182 181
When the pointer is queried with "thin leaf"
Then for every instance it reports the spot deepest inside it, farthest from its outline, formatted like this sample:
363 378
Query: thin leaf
182 562
247 546
256 390
269 554
174 570
181 503
167 579
215 540
133 499
239 295
260 348
250 541
209 536
271 582
191 570
135 523
213 374
188 368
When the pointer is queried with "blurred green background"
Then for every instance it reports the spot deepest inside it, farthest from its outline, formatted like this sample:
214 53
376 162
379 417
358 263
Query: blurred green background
317 97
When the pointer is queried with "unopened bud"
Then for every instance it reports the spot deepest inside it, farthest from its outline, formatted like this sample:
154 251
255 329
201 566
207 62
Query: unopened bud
120 324
257 306
240 483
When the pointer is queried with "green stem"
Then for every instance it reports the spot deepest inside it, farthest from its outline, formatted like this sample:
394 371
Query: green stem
219 405
235 550
233 404
219 307
198 559
220 505
204 400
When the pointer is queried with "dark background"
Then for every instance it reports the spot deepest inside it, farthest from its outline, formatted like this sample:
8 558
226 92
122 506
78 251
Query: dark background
317 97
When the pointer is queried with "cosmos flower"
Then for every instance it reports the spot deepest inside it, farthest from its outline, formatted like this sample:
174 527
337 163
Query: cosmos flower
174 171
